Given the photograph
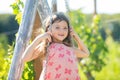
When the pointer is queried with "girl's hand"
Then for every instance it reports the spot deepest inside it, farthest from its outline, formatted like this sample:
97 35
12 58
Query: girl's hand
72 32
46 36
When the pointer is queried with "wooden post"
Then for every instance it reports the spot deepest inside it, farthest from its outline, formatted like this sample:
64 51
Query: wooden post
54 6
22 40
95 7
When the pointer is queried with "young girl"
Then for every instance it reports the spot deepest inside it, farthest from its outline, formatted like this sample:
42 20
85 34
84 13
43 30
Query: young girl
59 57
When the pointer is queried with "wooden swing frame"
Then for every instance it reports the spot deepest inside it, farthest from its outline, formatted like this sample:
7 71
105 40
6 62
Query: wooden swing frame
34 14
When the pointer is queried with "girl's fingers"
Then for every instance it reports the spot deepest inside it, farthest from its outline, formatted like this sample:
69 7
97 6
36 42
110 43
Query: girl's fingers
49 32
70 29
49 38
72 33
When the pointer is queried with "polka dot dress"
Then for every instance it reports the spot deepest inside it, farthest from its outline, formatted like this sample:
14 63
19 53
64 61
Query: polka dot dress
61 64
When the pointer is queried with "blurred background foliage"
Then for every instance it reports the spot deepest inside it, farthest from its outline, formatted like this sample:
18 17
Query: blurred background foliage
90 34
99 32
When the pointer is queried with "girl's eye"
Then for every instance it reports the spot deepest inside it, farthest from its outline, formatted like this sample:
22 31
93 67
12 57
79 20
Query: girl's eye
57 27
65 28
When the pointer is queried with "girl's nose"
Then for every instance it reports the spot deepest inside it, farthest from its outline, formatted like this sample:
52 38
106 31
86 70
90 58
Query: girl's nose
62 30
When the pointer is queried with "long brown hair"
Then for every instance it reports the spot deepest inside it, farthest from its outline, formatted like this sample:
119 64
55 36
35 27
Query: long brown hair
57 17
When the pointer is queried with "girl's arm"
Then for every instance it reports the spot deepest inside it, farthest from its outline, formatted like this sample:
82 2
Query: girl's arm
35 49
82 50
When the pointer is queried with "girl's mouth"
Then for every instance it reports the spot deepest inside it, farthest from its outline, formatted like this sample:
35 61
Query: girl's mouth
60 34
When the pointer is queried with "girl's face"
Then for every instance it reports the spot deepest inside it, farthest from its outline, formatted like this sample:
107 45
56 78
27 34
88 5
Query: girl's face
59 31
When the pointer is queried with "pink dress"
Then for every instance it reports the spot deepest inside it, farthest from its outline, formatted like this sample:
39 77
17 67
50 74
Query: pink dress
61 64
